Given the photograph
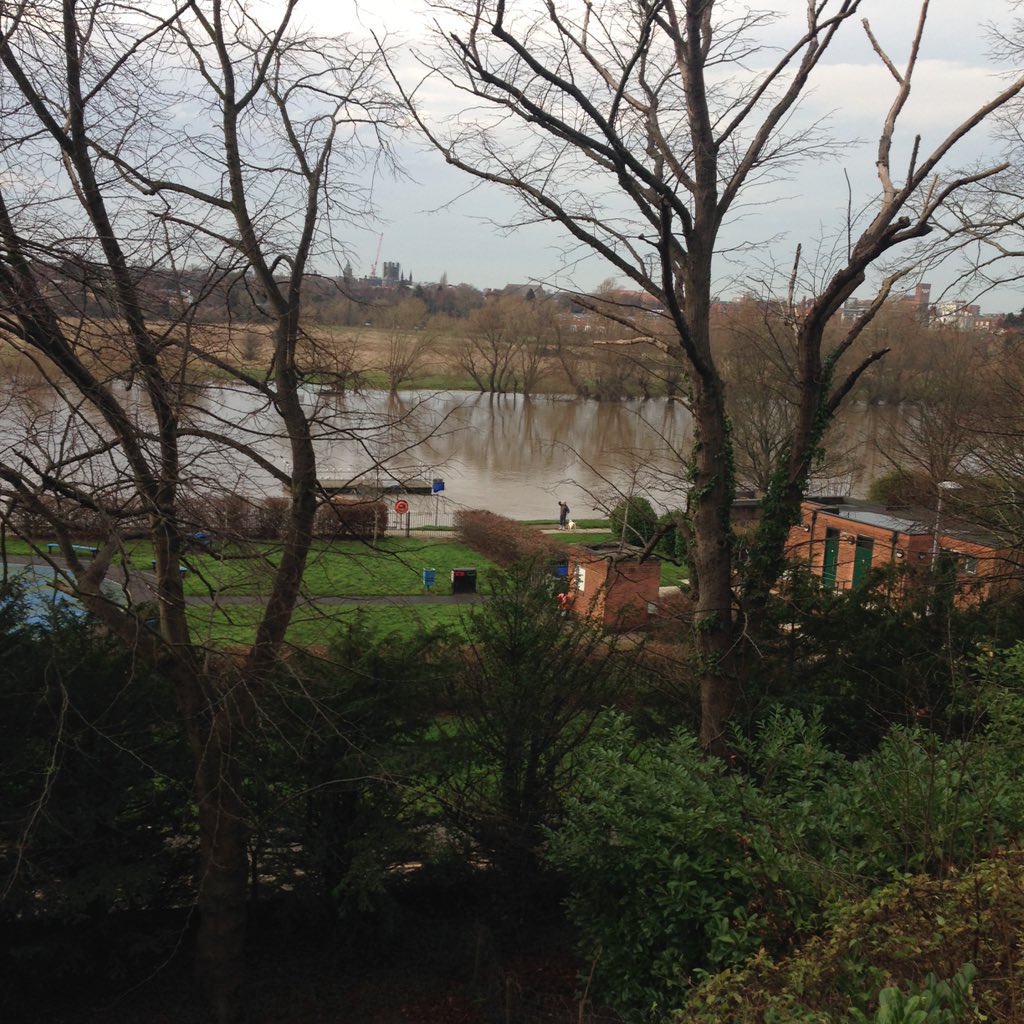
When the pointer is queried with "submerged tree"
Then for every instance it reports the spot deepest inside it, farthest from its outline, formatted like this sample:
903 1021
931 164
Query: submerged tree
138 142
640 128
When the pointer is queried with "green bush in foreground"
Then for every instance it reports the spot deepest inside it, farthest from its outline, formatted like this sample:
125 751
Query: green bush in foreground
678 864
881 959
681 867
521 696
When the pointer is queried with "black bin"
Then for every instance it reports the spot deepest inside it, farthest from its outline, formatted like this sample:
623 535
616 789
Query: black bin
464 581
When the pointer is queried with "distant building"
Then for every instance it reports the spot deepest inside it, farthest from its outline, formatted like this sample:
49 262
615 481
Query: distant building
961 315
843 539
957 314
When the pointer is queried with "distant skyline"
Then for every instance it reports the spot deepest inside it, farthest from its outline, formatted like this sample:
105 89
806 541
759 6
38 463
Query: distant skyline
439 220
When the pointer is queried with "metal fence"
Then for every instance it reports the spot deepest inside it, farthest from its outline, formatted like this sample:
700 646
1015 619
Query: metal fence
413 520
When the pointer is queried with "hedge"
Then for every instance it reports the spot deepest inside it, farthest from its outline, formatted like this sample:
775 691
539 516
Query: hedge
504 541
230 517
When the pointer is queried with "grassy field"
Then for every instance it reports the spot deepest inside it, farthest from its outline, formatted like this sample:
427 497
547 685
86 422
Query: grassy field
338 569
343 568
349 568
314 626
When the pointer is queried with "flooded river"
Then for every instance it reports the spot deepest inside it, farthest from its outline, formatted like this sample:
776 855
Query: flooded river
515 456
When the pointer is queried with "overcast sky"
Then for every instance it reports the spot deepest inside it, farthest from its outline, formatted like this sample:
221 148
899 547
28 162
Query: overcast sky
439 222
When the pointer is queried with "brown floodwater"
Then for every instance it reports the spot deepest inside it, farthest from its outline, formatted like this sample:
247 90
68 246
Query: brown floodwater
515 456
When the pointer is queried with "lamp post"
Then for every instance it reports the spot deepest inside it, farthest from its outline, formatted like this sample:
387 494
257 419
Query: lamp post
943 485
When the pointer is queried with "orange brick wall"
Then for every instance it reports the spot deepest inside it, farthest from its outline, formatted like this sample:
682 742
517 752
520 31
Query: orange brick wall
996 570
807 542
616 593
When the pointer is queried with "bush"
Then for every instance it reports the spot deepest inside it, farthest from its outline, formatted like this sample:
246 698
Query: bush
505 541
869 658
80 523
634 520
884 954
94 787
356 518
521 699
225 516
234 517
270 517
679 865
338 735
672 544
673 867
900 488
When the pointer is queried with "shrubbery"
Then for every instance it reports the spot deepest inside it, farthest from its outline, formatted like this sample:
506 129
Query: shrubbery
750 890
634 520
351 517
680 865
233 517
504 541
675 865
899 955
94 785
523 695
81 522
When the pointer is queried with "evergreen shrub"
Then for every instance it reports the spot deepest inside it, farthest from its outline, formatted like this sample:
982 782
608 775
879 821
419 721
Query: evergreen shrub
634 520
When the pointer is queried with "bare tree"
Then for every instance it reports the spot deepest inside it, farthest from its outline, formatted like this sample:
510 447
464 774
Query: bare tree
639 127
489 347
983 443
937 438
409 341
136 140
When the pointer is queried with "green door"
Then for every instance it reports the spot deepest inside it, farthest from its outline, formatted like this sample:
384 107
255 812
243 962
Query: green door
828 566
862 559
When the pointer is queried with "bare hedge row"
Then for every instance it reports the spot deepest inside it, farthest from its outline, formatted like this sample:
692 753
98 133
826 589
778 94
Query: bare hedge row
504 541
223 516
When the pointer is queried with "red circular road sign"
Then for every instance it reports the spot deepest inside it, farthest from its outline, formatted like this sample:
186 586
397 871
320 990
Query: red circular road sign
401 506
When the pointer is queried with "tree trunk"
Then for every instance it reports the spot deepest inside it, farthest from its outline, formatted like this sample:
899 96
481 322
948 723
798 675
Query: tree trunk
711 558
212 723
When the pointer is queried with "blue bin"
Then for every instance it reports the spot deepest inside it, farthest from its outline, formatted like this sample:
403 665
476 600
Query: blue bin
429 578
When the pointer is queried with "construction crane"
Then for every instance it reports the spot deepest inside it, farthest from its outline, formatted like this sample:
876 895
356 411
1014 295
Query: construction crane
373 268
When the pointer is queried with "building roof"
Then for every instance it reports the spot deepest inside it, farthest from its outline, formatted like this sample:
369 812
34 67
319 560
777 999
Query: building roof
883 519
908 521
613 548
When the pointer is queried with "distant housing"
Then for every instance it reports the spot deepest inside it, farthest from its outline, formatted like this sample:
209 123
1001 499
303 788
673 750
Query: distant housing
961 315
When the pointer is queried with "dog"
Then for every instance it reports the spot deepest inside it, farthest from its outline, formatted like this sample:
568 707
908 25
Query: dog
571 525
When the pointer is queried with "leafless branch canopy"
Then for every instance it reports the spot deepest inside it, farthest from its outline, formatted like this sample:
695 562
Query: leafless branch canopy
641 127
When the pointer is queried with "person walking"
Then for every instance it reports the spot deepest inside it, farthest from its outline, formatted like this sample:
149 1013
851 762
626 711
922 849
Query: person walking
563 515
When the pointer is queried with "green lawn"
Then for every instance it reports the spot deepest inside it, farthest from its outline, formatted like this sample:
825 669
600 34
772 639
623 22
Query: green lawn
312 625
342 568
569 537
395 566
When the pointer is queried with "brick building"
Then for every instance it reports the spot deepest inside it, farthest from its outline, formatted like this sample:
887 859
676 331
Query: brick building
611 584
843 539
